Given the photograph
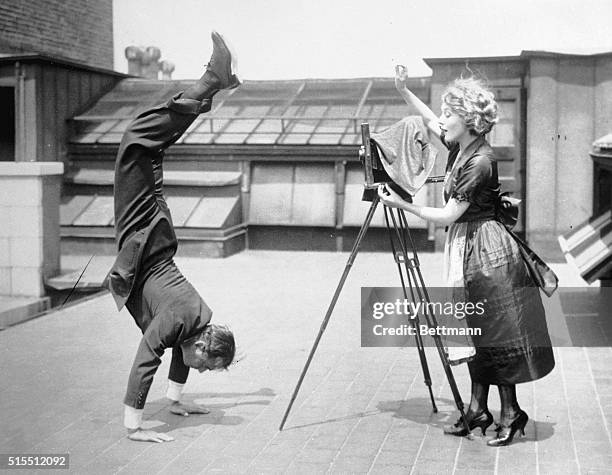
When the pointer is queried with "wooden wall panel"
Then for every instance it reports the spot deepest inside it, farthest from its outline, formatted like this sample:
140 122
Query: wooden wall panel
47 110
313 200
271 194
603 97
61 113
575 134
54 94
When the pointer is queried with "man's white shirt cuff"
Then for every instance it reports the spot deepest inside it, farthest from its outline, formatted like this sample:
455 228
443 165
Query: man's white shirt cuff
132 418
175 390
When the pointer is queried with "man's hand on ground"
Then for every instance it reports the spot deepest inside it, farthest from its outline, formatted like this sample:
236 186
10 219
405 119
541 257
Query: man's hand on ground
149 436
181 409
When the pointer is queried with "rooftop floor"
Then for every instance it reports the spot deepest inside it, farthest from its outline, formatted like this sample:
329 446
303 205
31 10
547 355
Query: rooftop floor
360 410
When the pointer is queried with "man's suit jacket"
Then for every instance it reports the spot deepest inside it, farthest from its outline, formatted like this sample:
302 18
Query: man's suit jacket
168 310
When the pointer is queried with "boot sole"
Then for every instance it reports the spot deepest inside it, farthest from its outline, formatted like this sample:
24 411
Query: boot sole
235 80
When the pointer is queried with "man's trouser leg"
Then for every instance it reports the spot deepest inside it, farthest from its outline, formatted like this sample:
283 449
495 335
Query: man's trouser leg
138 169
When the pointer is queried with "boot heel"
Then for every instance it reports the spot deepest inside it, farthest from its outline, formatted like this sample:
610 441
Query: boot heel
483 423
522 427
506 433
482 420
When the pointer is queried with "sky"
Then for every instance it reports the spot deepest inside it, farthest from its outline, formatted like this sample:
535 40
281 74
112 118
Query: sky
295 39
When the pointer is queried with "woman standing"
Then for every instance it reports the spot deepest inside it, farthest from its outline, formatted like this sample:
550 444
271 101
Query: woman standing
483 258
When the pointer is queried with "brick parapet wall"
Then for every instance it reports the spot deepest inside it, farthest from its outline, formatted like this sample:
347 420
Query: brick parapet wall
80 30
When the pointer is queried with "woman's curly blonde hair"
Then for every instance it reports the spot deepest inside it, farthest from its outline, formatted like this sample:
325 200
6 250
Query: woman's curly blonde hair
471 99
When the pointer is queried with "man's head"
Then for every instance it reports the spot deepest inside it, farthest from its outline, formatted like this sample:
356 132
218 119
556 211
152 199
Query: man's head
213 349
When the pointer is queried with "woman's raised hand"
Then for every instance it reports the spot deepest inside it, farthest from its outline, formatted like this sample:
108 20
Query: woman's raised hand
401 84
401 75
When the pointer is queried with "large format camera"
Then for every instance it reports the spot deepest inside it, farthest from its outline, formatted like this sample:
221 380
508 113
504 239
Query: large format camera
375 174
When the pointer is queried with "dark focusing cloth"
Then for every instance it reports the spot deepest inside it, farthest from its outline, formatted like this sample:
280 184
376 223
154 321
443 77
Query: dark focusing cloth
144 278
514 346
407 155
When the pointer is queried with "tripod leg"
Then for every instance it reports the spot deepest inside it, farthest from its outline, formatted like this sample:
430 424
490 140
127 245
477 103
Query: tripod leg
415 270
432 322
414 322
332 304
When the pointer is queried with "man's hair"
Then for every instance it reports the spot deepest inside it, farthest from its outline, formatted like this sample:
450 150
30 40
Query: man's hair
471 99
219 343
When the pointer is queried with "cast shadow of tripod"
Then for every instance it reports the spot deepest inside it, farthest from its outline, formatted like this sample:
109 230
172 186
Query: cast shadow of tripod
158 411
357 415
418 410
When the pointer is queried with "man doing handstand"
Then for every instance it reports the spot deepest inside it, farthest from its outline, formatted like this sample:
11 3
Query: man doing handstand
166 307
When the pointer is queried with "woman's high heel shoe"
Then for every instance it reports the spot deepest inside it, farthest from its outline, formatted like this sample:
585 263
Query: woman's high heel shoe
505 433
482 420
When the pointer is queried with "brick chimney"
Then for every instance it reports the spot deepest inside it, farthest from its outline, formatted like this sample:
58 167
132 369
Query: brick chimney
150 62
145 62
134 57
167 68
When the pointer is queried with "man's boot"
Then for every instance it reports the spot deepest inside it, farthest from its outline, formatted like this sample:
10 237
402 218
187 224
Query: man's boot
220 72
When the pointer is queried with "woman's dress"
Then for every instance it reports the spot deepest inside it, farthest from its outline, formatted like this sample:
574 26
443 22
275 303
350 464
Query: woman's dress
484 264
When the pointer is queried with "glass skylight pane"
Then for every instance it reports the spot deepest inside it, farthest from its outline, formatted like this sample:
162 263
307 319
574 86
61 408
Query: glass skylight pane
333 126
98 213
312 111
98 127
238 125
262 139
295 139
231 138
396 111
254 111
332 139
111 137
121 125
341 110
372 111
351 139
203 126
302 126
270 125
198 138
194 125
87 138
119 109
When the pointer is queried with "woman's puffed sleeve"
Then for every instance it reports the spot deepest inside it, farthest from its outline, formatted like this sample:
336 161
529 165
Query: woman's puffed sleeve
471 178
